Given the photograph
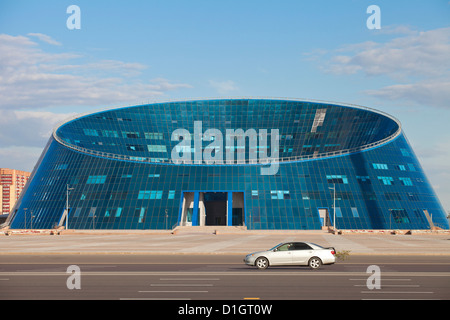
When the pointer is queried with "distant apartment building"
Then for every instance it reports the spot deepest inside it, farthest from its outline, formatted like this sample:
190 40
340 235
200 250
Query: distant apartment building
12 183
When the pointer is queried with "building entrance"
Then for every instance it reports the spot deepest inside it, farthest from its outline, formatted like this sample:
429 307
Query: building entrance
324 217
212 208
215 208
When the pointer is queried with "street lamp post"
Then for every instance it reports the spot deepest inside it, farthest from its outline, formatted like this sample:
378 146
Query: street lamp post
67 205
166 217
390 215
25 209
334 205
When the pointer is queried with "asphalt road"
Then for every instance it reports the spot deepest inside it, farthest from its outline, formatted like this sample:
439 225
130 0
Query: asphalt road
218 277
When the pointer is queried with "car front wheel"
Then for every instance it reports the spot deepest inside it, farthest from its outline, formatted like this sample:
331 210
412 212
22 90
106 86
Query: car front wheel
262 263
314 263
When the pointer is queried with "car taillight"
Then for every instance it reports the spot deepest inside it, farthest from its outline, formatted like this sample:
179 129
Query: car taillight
333 252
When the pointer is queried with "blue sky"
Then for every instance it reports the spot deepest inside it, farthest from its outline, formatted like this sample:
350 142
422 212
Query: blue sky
133 51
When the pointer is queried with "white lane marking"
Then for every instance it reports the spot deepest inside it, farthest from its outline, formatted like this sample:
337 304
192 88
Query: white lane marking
181 285
172 291
155 299
398 292
192 279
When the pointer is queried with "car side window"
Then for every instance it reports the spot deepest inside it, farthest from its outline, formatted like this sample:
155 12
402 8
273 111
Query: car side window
301 246
285 247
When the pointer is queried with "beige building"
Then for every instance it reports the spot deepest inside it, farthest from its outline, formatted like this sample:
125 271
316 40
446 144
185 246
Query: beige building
12 183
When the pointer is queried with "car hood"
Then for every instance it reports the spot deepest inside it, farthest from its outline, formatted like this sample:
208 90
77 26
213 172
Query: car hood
256 253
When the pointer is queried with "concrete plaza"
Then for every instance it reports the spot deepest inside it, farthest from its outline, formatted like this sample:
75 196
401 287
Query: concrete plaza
220 242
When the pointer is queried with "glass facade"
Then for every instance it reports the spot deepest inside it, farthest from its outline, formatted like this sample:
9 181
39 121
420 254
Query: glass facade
115 168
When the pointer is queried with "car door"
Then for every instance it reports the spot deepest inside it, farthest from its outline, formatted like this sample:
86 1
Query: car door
301 252
282 255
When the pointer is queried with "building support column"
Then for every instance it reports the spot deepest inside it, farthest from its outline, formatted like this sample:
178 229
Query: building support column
195 211
230 209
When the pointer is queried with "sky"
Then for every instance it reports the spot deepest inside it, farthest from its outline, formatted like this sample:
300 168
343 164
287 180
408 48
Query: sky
134 51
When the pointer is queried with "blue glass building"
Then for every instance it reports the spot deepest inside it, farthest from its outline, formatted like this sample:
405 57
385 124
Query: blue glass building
116 170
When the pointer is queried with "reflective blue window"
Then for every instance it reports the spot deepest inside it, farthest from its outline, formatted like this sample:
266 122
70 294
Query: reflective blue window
77 212
150 194
405 152
156 148
387 180
400 216
130 135
96 180
382 166
141 213
92 211
90 132
110 133
406 181
154 135
355 212
337 179
280 194
363 179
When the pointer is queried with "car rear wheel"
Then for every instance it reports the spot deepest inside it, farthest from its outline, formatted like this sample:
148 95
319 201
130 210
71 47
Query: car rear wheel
314 263
262 263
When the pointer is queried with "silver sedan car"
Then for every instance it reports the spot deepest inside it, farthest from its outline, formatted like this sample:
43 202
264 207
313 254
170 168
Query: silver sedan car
292 253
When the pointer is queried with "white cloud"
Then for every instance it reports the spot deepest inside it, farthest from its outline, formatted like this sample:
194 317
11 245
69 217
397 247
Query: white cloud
223 87
45 38
20 158
33 81
434 158
414 69
417 54
23 134
32 78
417 62
435 93
396 29
27 128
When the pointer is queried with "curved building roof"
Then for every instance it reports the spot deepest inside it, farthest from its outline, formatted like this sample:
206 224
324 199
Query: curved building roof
307 129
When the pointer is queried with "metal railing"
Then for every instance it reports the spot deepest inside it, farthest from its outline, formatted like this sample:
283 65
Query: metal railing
264 161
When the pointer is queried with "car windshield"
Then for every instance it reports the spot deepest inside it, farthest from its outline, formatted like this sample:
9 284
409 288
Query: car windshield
275 247
316 245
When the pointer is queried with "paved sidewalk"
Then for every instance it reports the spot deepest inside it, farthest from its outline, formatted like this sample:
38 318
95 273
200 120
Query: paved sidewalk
141 242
